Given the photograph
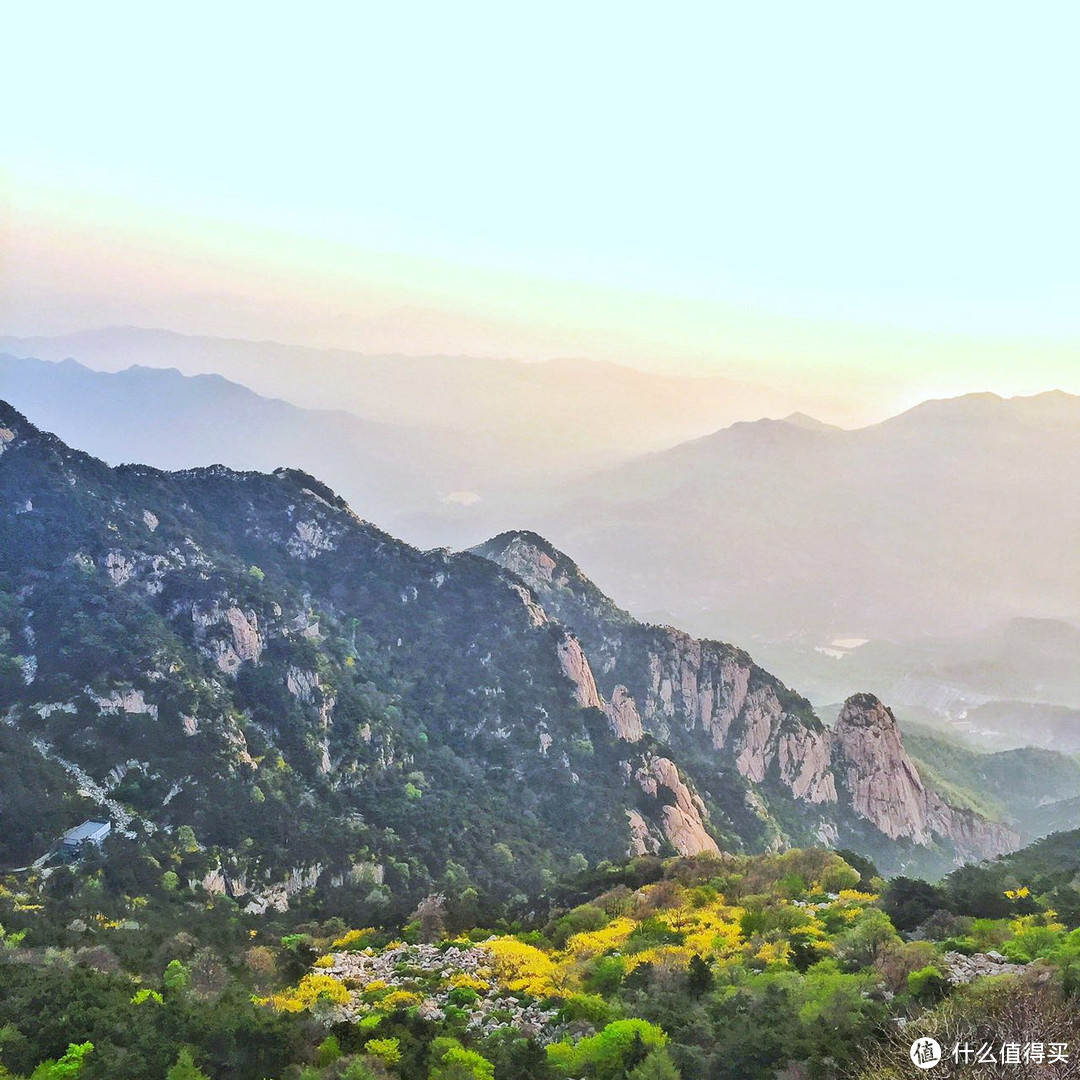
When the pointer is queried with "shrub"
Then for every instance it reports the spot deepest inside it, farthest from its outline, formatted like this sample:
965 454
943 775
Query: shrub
388 1051
927 985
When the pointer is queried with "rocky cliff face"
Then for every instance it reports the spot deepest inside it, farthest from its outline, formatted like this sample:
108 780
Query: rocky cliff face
878 776
880 779
683 814
712 704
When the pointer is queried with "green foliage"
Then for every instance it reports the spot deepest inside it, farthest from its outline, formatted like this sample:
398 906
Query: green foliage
605 975
872 930
699 976
176 978
66 1068
388 1051
358 1070
329 1051
582 918
909 902
463 996
589 1007
611 1053
729 969
927 985
451 1061
1033 943
185 1068
657 1066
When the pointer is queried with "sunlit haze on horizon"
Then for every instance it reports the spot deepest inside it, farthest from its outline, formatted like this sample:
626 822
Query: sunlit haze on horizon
866 206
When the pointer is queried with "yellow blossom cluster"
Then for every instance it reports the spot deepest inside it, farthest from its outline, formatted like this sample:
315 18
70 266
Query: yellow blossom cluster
310 991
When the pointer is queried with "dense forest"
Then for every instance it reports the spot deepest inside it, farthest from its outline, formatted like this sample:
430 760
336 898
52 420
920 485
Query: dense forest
119 966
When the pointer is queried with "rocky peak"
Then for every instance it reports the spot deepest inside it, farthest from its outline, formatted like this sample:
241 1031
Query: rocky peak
874 769
566 593
877 772
711 704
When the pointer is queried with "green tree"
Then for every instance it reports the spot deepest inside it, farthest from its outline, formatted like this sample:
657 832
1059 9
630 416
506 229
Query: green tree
68 1067
329 1050
608 1055
699 976
185 1068
927 985
388 1051
657 1066
177 978
451 1061
185 839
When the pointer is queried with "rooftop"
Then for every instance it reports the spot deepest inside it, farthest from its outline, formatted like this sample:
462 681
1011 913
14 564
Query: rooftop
88 830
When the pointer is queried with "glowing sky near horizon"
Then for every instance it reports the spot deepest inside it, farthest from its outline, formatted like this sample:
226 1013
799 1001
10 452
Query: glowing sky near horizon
783 189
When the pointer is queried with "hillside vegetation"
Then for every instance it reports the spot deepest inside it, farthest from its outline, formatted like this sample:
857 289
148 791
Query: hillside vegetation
729 967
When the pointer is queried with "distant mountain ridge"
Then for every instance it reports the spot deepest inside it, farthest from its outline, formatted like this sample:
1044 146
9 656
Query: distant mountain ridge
565 407
947 518
174 421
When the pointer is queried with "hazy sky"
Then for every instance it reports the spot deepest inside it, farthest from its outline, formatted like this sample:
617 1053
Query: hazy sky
794 189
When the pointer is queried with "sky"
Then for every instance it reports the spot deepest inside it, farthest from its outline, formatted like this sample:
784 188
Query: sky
859 193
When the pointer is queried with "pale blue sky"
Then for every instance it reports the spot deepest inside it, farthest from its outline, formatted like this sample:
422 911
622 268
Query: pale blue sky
913 164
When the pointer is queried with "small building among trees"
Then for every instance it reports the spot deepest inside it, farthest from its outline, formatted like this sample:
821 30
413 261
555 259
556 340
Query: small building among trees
89 832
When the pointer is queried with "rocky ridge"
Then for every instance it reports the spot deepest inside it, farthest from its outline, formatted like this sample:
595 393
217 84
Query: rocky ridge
711 702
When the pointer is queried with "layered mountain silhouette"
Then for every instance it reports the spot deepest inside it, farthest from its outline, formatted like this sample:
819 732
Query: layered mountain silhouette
952 517
949 518
239 653
548 413
173 421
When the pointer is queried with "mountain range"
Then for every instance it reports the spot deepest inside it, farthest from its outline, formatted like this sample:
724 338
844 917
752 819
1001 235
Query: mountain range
237 653
944 520
927 556
173 421
534 416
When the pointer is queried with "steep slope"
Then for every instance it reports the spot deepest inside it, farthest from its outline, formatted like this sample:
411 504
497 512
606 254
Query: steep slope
321 703
883 785
1036 790
239 653
765 764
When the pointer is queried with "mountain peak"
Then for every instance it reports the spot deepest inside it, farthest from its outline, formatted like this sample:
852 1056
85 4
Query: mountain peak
809 423
567 593
865 710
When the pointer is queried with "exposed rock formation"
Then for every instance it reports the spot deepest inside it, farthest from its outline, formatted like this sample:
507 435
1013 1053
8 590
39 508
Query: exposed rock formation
129 701
243 642
576 668
884 786
624 716
642 842
880 778
961 969
682 818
